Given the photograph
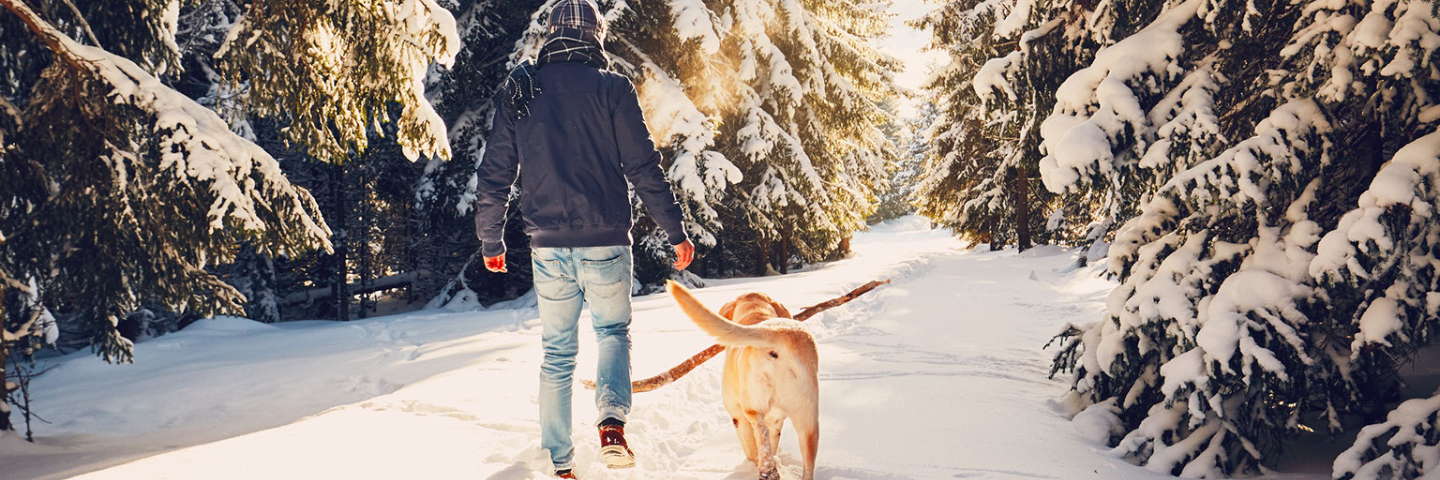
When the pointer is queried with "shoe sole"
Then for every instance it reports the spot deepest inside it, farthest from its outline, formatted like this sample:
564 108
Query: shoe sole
616 457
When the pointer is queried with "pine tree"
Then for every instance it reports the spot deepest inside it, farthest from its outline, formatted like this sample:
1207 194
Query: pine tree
176 190
958 188
1008 58
1255 296
673 54
899 197
180 191
361 57
805 130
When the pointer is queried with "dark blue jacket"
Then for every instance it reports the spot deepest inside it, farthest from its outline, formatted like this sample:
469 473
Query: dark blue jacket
584 137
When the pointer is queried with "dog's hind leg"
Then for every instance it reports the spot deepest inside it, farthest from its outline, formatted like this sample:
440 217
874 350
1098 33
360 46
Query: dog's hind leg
807 427
745 429
769 470
774 425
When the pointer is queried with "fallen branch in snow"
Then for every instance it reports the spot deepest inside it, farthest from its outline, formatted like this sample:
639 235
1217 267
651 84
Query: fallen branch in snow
689 364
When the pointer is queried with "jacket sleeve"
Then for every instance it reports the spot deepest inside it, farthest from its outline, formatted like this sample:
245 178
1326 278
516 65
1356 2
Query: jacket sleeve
641 163
496 176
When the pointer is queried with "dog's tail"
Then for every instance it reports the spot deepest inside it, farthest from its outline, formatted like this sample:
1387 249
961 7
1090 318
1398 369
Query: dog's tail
726 332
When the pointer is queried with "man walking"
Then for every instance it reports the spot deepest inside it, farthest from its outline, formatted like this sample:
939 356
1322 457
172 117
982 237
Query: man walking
577 132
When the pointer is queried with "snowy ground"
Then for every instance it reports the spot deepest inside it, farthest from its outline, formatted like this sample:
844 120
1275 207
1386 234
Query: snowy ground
939 375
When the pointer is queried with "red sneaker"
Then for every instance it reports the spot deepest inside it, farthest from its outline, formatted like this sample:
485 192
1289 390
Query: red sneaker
613 448
565 474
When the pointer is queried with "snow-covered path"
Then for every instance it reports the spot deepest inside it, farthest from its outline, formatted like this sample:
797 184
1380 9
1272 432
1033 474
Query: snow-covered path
939 375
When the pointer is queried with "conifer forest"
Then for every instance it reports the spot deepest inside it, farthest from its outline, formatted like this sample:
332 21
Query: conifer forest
1127 239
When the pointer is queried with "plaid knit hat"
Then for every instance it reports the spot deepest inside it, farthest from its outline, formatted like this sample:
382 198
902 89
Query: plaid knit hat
578 16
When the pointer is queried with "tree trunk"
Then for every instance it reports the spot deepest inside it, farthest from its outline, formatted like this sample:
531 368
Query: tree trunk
763 256
339 269
366 267
1022 209
5 424
997 242
785 250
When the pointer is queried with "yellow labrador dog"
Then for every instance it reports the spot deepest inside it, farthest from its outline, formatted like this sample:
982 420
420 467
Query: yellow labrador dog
770 374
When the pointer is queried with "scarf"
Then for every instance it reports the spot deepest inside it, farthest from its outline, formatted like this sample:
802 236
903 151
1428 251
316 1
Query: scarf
565 45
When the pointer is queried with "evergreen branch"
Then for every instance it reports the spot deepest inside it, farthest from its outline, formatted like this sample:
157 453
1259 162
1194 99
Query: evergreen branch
15 113
6 281
83 23
43 30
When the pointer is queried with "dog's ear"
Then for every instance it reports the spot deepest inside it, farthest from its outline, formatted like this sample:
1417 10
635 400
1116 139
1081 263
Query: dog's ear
780 309
728 311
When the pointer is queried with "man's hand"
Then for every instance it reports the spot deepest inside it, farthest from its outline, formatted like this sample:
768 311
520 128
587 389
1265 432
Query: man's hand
684 254
495 264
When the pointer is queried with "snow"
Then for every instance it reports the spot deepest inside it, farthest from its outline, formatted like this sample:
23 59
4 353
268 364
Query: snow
693 20
911 386
993 76
1380 320
1099 422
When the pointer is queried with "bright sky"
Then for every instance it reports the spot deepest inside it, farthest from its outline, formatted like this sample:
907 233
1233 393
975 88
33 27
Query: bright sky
908 44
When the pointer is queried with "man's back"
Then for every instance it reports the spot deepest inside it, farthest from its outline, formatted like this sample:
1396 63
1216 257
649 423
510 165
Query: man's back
569 151
577 142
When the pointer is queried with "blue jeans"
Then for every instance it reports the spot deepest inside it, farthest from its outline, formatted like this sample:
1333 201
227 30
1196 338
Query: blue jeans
564 278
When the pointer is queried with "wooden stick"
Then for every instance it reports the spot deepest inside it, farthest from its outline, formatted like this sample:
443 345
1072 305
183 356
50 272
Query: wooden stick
673 374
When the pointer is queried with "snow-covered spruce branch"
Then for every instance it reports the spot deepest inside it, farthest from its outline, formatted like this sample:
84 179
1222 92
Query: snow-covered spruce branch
1405 445
84 24
198 144
360 59
1390 237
